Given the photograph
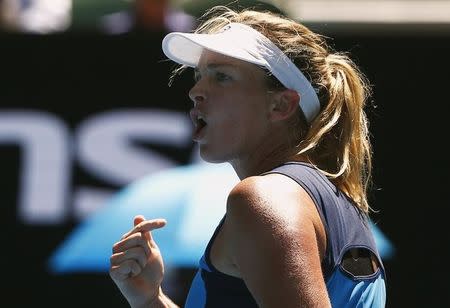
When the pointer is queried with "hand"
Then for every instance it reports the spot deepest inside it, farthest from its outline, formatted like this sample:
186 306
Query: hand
137 267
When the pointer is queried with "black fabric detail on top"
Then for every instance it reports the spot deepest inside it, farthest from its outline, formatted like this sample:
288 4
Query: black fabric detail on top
226 291
360 265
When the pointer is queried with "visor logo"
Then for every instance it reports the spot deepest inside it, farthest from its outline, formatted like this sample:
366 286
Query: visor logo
225 28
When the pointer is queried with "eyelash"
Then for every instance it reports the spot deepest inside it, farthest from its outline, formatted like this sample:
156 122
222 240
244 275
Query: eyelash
219 76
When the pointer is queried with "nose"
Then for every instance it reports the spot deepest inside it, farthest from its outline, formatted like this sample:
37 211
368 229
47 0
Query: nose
197 93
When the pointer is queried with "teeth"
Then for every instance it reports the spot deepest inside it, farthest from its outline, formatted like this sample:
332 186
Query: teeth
196 117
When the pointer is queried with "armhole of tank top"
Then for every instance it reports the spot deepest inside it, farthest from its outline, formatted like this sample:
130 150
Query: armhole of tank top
380 267
209 246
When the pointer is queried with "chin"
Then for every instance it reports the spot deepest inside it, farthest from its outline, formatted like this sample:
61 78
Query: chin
211 157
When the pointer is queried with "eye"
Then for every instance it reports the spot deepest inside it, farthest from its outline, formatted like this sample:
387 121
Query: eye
222 76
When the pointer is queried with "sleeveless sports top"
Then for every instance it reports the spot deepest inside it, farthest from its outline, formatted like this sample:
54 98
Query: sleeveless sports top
345 228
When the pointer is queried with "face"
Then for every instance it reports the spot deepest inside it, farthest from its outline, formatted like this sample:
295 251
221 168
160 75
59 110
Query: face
231 107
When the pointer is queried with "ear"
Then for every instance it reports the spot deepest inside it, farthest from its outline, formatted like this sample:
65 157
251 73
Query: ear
285 104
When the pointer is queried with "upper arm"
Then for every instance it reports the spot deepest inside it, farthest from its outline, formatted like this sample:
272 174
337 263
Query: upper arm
272 240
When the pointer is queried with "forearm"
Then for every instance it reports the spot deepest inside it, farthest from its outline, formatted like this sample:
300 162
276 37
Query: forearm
160 301
163 302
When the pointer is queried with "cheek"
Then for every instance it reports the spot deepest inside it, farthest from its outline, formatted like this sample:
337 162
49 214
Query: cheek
242 114
229 125
228 128
243 129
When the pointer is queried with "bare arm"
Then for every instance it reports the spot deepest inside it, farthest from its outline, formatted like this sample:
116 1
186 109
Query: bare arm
161 301
272 240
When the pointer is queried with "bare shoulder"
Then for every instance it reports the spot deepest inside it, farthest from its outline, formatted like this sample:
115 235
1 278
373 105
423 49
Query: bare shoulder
270 196
274 233
273 207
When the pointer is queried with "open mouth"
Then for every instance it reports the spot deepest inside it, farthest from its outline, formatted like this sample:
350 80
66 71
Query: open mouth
200 124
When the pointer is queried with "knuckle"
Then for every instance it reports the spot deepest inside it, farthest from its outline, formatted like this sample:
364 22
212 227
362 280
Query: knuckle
115 247
114 259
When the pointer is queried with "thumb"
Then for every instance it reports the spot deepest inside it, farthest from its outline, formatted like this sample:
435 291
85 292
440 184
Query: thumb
138 219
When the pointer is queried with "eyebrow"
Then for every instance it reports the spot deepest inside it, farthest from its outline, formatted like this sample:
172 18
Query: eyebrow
212 66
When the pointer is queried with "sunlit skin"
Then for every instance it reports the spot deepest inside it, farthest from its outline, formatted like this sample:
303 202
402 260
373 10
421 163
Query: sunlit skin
272 237
242 127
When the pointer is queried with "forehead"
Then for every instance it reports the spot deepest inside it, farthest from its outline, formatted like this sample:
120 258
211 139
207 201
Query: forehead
211 59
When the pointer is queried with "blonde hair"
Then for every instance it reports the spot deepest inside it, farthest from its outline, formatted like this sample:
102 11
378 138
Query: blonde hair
337 141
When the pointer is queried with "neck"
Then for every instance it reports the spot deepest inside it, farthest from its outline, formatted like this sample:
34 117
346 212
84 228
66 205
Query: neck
262 160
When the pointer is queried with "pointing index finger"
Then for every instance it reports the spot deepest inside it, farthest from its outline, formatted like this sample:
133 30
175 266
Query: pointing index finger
146 225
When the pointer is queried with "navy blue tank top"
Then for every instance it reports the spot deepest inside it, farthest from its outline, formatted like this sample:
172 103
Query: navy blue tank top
345 228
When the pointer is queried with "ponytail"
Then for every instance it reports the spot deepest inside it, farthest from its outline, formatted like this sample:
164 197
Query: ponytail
338 140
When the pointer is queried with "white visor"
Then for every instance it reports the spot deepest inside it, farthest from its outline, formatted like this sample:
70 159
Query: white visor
245 43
